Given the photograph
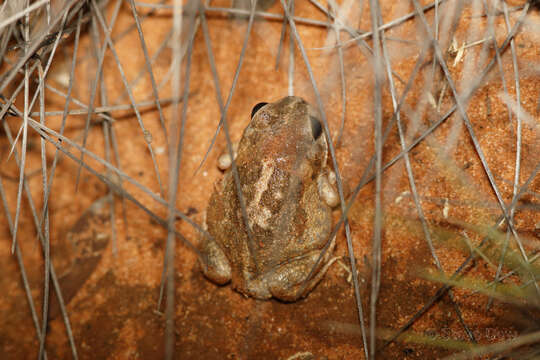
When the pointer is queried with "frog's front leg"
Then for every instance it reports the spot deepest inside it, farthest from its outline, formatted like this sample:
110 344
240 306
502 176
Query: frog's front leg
286 282
214 262
225 160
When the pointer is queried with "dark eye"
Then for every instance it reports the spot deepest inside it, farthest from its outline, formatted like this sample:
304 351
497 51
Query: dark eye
256 108
316 128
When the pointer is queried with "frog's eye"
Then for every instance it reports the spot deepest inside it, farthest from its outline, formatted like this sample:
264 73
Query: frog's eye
256 108
316 128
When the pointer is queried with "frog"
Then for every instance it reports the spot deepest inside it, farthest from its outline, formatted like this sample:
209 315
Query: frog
269 244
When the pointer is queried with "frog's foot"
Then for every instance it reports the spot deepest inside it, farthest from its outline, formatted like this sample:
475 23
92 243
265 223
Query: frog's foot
256 288
225 160
288 283
214 263
326 185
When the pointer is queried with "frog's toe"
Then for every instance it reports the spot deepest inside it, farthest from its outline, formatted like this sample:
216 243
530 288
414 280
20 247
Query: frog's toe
257 288
286 283
225 160
327 191
288 294
215 264
289 283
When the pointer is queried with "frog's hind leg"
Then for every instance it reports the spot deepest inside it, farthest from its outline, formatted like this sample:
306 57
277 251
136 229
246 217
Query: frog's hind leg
288 282
214 262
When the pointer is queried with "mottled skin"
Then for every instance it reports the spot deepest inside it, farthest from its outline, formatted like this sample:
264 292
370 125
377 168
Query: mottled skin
282 165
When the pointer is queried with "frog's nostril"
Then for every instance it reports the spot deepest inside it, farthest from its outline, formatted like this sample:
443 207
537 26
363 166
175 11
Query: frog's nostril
292 101
316 128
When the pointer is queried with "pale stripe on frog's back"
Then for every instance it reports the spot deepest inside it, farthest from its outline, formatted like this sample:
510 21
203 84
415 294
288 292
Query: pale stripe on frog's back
256 213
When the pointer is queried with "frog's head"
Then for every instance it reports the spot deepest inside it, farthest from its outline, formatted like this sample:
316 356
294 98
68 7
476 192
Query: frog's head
287 132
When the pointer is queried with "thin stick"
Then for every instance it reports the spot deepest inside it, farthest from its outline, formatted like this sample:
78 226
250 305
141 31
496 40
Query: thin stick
145 132
25 12
412 183
95 83
22 268
336 170
377 226
149 68
468 125
47 250
24 134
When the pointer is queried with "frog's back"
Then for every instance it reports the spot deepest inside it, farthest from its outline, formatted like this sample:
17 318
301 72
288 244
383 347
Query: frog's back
286 216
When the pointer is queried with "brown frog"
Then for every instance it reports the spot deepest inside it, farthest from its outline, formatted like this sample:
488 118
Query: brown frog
288 193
